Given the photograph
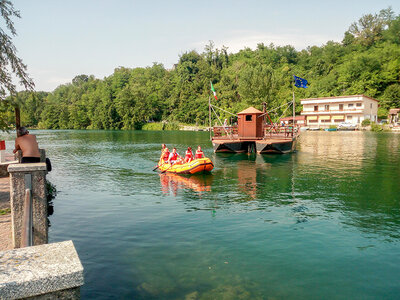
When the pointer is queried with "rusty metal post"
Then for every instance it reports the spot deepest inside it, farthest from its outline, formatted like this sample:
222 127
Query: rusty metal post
26 233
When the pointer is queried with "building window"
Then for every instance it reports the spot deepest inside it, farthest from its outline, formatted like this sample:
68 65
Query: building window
340 106
349 117
316 108
350 105
370 105
358 104
326 107
249 117
339 120
312 121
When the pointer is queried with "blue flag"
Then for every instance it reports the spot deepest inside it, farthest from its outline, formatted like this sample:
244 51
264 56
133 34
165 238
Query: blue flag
300 82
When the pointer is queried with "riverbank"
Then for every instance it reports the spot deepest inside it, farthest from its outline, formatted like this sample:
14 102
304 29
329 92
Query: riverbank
5 215
173 126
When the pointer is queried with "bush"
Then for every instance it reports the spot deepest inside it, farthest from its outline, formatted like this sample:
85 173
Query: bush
161 126
366 122
153 126
375 127
171 126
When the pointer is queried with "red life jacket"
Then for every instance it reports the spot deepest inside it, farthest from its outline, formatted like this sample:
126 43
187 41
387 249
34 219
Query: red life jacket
189 154
174 156
166 156
199 154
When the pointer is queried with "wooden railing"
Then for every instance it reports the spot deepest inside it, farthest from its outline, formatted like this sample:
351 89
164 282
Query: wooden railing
273 131
269 131
225 131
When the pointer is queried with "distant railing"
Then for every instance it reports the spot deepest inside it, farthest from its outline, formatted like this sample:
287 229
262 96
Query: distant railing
228 131
274 131
27 234
269 131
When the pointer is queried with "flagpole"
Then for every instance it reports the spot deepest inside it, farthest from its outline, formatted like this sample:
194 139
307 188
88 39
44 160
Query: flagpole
294 106
209 114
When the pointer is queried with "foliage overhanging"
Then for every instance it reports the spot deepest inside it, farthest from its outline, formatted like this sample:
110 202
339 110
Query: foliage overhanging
367 61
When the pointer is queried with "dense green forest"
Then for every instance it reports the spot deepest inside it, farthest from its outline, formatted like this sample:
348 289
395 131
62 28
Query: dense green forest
367 61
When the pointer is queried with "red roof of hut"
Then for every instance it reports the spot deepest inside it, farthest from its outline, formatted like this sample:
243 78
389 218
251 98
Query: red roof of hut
250 110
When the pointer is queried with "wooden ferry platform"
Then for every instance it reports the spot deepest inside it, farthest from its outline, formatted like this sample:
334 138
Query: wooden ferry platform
252 134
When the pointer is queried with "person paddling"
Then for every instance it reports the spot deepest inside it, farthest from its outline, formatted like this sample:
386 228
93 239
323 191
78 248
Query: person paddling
188 155
173 157
163 147
165 155
199 153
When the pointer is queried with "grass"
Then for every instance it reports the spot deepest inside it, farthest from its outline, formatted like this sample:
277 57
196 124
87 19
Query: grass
5 211
161 126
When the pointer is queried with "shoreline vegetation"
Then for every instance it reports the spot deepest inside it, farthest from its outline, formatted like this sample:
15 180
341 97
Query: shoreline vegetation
366 62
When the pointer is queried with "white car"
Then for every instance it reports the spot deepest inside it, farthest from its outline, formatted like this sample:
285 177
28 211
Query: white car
347 126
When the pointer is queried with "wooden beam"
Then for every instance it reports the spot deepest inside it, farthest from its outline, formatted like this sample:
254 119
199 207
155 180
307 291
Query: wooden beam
17 118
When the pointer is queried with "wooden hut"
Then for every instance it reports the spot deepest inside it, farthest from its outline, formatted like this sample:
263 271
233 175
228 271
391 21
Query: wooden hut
250 124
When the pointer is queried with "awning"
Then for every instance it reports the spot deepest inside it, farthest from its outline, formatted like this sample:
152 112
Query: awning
312 118
338 117
325 117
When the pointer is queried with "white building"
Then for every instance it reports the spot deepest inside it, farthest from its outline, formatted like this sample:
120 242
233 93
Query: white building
326 111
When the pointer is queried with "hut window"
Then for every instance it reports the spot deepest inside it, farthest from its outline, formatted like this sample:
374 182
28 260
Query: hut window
249 117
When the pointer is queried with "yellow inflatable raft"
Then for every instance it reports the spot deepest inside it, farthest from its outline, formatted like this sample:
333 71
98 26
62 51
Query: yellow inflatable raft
195 166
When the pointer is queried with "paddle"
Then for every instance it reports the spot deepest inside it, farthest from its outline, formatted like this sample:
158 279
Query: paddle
156 167
167 169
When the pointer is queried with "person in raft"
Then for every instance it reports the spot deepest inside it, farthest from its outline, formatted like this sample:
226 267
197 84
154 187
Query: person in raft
163 146
164 155
174 157
188 155
28 145
199 153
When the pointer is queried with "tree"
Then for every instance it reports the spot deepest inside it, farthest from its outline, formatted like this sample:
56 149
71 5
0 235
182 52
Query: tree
369 27
10 63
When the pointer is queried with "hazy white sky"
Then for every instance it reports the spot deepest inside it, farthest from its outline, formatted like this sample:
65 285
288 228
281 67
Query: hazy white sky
60 39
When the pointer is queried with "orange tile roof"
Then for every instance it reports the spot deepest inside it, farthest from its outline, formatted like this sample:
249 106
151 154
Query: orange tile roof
250 110
394 111
336 97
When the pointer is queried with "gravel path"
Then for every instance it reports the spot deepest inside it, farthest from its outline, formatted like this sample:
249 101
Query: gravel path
5 220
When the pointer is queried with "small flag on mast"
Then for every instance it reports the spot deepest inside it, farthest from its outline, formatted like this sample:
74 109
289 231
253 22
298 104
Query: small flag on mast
213 90
300 82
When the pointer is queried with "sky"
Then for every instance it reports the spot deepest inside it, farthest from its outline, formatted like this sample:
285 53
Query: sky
60 39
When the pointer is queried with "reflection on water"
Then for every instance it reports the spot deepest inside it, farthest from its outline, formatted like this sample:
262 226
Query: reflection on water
320 223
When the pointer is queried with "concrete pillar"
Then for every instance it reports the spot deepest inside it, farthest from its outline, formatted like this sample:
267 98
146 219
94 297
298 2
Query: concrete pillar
39 201
18 155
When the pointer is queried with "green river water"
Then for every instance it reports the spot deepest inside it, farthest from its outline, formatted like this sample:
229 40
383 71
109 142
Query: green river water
321 223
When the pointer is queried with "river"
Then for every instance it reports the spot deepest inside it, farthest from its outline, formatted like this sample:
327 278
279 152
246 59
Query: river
321 223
